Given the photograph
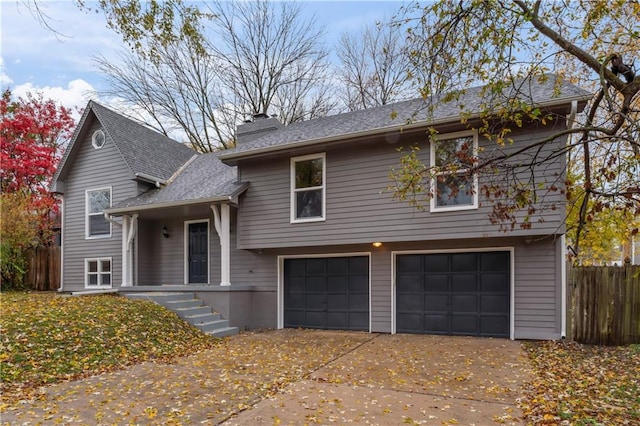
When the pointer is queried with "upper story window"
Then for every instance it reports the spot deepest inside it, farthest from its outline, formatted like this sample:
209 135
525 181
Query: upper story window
97 200
453 188
98 139
308 178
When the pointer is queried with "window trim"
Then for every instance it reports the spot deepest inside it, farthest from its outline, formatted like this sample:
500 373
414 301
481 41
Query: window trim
432 158
99 273
293 191
93 139
87 229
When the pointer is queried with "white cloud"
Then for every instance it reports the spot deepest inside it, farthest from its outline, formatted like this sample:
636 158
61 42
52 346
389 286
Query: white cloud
75 96
5 80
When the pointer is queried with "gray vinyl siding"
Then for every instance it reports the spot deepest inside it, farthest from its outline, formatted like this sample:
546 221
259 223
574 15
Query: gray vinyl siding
537 280
359 209
92 168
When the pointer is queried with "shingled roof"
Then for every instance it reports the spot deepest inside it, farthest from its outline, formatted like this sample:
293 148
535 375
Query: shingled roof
147 153
392 117
205 179
144 150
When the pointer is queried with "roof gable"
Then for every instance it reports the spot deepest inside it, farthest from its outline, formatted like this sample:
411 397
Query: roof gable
148 154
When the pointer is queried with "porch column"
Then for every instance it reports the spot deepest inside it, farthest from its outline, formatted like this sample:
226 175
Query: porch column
129 231
222 223
125 254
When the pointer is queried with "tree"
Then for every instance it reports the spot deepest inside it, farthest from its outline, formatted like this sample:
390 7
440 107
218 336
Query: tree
32 134
504 44
374 67
256 57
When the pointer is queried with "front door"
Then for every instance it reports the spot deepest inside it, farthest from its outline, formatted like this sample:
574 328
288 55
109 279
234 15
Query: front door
198 260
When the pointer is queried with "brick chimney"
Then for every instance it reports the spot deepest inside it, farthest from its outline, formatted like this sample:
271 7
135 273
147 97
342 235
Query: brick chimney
259 125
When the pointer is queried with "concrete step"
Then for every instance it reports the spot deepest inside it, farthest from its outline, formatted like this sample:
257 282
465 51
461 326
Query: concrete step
213 325
192 310
186 313
224 332
182 304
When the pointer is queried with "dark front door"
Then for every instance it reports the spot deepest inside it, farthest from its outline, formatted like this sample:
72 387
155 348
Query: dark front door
453 293
327 293
198 252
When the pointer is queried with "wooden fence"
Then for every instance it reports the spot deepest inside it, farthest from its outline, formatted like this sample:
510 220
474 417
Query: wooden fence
43 270
604 304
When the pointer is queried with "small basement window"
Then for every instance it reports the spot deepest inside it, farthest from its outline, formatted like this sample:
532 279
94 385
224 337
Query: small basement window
97 272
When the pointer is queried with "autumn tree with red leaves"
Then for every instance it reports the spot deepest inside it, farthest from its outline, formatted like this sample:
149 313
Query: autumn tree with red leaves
33 132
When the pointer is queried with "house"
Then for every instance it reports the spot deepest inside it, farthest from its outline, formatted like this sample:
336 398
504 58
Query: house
294 228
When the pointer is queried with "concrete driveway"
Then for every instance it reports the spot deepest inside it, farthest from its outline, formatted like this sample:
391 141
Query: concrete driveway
300 377
406 379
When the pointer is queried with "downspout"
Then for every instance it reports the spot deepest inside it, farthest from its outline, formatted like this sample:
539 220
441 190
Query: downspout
563 249
110 219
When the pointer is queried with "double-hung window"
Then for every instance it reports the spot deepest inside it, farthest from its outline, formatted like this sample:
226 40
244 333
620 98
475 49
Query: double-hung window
97 272
308 187
97 200
452 157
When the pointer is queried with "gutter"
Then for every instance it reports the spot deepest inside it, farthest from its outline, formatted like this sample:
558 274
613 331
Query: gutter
231 158
180 203
151 179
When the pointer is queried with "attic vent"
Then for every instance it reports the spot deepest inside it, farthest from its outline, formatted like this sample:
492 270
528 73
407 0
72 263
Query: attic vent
98 139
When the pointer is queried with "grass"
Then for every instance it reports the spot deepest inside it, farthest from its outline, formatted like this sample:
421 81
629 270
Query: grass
48 338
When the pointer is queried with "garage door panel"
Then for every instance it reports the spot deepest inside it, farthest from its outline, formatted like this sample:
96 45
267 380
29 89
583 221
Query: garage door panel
460 293
337 284
337 320
494 304
296 285
409 302
316 267
409 263
409 322
435 324
315 319
359 265
338 301
493 326
296 299
464 324
432 302
315 301
316 284
337 266
494 283
411 283
359 283
494 261
329 293
464 262
436 283
359 320
464 303
464 283
359 302
436 263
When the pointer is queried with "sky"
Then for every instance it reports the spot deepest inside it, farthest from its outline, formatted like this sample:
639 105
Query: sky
59 63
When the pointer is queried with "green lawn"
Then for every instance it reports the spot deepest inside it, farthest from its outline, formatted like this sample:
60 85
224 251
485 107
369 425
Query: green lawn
47 337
